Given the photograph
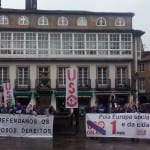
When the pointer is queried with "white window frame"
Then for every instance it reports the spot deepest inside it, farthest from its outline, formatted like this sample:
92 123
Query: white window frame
142 84
119 21
4 20
83 76
23 20
23 74
82 21
43 20
3 75
62 76
122 75
142 67
62 21
101 21
102 75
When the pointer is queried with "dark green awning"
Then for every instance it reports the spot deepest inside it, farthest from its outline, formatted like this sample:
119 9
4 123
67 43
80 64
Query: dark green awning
37 94
80 94
22 94
27 94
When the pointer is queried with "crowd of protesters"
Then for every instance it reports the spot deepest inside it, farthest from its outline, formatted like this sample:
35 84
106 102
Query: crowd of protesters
99 108
29 109
117 108
19 109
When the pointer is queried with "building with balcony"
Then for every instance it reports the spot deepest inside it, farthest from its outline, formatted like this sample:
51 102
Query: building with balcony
144 78
36 47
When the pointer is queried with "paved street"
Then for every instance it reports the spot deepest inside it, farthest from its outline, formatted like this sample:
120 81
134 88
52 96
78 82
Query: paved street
72 143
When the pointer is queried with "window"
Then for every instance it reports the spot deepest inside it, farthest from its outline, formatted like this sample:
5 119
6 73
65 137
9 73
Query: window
18 42
43 76
43 43
55 43
62 21
119 21
122 76
43 20
67 41
31 43
102 75
141 84
43 72
4 20
126 41
79 43
23 20
82 21
114 41
3 75
141 67
101 21
5 43
90 41
23 74
102 41
62 77
83 76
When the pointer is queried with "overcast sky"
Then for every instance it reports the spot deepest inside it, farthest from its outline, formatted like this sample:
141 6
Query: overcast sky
141 8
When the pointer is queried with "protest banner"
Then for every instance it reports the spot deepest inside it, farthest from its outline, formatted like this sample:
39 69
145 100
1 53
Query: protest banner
8 94
26 125
127 125
71 88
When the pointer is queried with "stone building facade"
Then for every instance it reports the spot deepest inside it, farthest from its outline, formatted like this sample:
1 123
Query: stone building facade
36 46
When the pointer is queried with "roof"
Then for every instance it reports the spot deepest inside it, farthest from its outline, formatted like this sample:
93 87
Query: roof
146 56
64 12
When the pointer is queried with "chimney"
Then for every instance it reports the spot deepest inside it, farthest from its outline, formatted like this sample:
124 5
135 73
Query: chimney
31 4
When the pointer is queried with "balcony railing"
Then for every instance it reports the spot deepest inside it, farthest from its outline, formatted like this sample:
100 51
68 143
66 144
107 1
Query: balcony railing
82 84
103 85
122 85
43 85
69 53
60 84
22 85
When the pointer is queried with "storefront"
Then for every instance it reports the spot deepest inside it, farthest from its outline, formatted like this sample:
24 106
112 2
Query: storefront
84 99
108 99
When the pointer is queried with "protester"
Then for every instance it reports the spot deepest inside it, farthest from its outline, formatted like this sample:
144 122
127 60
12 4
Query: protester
51 110
17 109
2 109
100 109
34 111
128 108
29 109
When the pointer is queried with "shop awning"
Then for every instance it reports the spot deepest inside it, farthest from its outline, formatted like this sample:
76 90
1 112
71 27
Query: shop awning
28 94
80 94
24 94
37 94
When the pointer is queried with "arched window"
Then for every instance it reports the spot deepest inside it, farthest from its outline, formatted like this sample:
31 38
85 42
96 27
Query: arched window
101 21
62 21
42 20
120 21
4 19
23 20
82 21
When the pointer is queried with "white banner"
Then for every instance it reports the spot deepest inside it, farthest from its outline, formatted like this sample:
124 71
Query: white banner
26 125
8 94
128 125
71 88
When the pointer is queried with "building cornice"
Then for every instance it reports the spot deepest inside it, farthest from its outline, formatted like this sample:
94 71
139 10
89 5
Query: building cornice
64 12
